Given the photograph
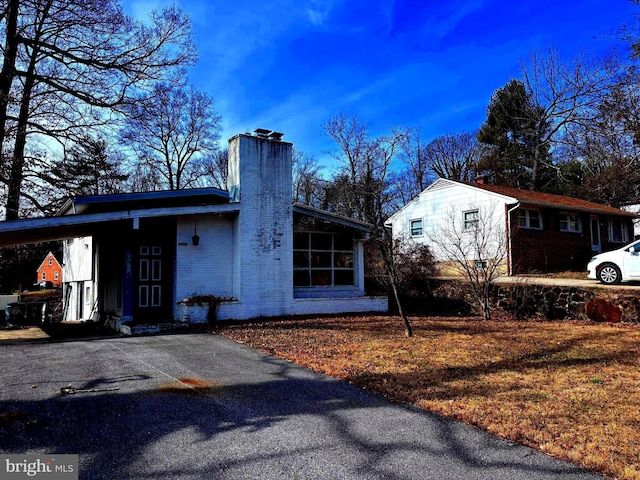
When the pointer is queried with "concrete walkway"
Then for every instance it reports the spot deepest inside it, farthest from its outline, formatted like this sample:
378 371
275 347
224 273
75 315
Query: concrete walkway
199 406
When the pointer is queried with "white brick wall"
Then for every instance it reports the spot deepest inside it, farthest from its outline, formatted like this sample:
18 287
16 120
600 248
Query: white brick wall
206 268
265 226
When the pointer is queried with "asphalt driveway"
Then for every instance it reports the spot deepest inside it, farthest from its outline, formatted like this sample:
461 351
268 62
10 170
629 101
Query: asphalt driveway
202 407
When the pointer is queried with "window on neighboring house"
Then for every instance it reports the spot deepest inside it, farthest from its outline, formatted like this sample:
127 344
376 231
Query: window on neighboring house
322 259
416 228
618 232
481 264
50 261
55 275
529 218
44 275
471 219
570 222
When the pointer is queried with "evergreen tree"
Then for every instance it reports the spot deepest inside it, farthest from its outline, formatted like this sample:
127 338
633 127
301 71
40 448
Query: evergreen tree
87 169
514 156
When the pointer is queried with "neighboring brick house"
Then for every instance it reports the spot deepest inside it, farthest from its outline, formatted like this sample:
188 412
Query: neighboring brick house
135 257
50 270
543 232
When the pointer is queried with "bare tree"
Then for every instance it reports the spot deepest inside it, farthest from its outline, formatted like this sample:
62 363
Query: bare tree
361 189
475 246
402 267
308 185
217 167
454 156
567 95
70 64
416 174
172 133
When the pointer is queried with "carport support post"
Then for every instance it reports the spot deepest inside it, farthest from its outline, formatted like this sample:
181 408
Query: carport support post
127 297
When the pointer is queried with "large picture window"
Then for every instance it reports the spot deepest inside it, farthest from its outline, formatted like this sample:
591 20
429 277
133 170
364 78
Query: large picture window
322 260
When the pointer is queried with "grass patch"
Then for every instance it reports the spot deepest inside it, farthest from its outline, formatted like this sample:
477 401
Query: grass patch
569 389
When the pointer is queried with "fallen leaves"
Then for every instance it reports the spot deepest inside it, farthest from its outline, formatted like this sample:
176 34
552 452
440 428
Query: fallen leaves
571 389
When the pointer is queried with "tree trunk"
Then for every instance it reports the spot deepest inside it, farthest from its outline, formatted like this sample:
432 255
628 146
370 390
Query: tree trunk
14 188
8 72
408 331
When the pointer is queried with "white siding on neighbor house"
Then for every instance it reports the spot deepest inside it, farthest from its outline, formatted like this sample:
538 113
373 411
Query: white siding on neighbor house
78 276
77 259
443 202
206 268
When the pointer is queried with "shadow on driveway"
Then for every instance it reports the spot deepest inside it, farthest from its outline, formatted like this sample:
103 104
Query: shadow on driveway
201 406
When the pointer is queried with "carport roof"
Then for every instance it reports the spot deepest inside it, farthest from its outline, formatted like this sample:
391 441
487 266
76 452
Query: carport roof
83 216
163 198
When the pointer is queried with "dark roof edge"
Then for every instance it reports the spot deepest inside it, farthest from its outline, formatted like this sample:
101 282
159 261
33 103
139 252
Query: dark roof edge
332 217
135 196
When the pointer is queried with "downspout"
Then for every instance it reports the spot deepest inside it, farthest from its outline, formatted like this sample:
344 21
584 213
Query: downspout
510 254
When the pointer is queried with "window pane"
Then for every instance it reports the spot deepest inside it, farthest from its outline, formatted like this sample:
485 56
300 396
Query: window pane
522 218
343 277
300 259
320 241
343 260
343 242
416 227
534 219
471 219
301 241
320 277
301 278
320 259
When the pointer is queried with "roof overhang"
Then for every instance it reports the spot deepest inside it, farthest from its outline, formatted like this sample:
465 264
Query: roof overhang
35 230
577 208
333 218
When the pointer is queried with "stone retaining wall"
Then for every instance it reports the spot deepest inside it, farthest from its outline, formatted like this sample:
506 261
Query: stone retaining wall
528 300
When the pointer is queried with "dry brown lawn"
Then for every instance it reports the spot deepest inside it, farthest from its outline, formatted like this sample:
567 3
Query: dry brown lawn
570 389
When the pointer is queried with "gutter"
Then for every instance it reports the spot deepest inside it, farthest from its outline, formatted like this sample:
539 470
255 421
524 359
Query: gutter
510 255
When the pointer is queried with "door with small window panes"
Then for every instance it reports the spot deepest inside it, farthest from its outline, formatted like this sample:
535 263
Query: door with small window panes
152 275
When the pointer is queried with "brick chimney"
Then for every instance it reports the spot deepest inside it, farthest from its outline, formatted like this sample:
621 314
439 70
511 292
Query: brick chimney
260 181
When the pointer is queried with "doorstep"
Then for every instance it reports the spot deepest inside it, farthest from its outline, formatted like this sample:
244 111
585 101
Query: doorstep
156 328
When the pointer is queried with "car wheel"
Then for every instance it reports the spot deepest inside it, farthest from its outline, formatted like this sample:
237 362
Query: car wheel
609 274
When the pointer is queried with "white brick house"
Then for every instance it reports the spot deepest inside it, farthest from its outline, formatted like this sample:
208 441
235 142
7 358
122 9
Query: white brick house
140 254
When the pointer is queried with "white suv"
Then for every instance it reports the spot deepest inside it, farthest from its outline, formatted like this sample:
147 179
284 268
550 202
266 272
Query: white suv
618 265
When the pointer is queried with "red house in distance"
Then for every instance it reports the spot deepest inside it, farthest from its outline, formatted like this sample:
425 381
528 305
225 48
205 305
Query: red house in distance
50 270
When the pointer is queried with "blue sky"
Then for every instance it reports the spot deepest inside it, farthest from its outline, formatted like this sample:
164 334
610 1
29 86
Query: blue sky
289 65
